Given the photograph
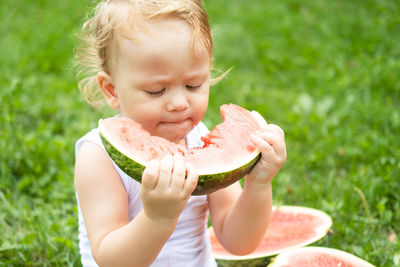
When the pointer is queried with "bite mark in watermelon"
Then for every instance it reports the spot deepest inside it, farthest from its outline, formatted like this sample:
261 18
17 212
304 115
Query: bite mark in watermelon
289 227
226 156
318 257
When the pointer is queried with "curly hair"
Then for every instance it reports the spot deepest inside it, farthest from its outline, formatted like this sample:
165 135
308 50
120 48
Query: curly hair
112 18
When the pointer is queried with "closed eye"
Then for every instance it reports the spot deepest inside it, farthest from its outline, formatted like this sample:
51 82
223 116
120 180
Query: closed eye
193 87
155 93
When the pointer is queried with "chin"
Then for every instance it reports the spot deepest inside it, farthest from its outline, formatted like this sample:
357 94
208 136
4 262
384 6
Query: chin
177 138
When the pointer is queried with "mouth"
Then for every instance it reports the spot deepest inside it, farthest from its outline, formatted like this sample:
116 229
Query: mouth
177 123
175 130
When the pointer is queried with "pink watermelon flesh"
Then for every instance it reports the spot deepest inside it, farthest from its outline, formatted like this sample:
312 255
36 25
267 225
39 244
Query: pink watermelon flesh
285 230
289 227
318 257
227 144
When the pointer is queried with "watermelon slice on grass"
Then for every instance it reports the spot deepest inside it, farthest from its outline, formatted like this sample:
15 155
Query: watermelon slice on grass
290 227
227 154
318 257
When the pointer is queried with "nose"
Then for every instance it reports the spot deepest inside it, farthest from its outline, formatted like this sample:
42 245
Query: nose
177 101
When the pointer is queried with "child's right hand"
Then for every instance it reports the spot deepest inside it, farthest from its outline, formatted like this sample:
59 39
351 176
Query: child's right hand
167 185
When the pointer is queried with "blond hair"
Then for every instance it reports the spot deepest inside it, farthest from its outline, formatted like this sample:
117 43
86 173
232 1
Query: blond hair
98 51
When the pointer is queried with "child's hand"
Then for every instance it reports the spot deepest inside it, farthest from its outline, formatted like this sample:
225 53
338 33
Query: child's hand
270 141
166 187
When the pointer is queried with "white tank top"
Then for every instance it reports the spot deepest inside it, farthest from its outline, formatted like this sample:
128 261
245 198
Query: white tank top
189 244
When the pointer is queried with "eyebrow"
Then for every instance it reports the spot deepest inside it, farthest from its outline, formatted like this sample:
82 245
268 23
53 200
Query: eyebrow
196 74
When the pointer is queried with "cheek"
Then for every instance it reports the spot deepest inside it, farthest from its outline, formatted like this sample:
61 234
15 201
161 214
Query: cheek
202 104
144 112
205 96
148 113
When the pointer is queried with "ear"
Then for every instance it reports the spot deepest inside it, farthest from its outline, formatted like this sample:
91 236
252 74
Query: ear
108 89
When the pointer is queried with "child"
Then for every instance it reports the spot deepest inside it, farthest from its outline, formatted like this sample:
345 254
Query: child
152 62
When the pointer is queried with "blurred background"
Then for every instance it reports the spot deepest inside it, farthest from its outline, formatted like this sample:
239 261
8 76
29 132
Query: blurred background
326 71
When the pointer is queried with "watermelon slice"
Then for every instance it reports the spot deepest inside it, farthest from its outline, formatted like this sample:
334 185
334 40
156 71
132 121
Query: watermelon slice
227 154
318 257
290 227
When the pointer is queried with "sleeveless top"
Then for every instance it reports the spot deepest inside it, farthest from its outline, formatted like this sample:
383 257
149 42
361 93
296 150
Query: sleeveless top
189 244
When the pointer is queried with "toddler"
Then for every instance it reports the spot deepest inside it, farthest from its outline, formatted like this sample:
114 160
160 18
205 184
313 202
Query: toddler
151 61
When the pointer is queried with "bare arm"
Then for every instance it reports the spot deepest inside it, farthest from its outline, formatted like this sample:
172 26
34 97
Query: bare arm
114 239
240 217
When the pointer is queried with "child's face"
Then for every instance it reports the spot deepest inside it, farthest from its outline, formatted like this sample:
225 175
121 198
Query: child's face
159 83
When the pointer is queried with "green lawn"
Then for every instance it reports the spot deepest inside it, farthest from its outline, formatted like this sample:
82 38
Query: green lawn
326 71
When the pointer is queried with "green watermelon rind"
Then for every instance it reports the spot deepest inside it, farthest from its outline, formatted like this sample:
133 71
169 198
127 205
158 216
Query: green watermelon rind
207 183
125 163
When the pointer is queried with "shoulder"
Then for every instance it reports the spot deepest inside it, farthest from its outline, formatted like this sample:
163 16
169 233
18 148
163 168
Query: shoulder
92 164
92 137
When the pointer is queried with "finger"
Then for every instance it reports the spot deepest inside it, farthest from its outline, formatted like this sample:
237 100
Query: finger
262 145
150 175
191 179
178 172
275 128
166 165
276 141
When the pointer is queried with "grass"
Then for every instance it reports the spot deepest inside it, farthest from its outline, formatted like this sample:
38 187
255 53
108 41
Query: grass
325 71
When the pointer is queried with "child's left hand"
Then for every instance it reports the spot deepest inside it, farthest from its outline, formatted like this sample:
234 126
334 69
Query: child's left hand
270 141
